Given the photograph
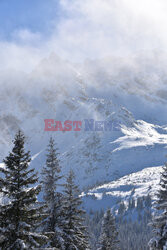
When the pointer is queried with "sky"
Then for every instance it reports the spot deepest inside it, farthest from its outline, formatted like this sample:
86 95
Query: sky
77 30
34 15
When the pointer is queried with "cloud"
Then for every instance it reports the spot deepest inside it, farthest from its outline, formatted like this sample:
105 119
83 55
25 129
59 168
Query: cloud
90 29
19 57
25 36
101 27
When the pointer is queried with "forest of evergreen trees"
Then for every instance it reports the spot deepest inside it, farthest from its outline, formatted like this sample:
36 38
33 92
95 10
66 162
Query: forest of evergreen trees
59 221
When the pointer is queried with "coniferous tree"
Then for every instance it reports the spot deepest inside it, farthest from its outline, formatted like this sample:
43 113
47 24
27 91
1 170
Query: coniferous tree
148 201
159 223
109 234
20 214
53 198
74 228
121 208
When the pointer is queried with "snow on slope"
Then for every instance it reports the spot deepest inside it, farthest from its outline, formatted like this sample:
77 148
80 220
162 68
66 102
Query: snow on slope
56 89
134 185
107 156
141 134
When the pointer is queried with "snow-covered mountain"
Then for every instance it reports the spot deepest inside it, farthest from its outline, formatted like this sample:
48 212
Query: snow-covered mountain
132 186
130 92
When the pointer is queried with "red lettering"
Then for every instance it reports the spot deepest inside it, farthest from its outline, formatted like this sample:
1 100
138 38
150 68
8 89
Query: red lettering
77 123
67 126
58 126
48 123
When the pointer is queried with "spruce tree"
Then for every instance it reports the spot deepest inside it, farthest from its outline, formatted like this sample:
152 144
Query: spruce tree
53 199
74 228
20 213
159 222
109 234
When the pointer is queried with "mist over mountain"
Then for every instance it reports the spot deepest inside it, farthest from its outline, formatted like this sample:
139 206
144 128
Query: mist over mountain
130 91
91 77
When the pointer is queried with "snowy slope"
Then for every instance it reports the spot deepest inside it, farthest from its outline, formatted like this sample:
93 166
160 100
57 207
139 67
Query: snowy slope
134 185
102 90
